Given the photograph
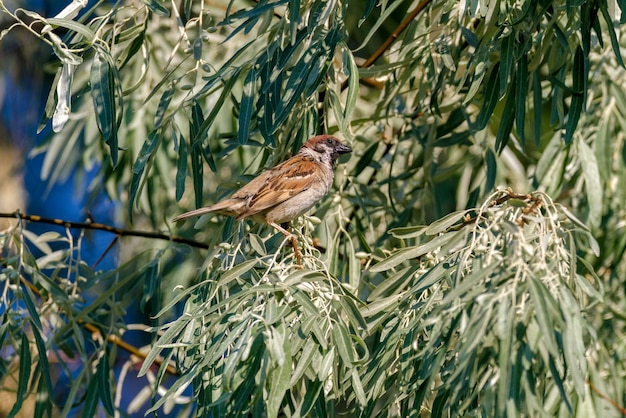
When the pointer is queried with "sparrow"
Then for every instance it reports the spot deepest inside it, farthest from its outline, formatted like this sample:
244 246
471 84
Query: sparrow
287 191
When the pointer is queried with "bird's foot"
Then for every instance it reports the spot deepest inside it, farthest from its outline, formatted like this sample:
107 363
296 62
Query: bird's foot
296 250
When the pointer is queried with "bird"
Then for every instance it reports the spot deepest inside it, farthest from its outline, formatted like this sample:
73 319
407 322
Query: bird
286 191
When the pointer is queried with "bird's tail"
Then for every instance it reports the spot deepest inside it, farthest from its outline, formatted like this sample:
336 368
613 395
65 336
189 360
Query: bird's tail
197 212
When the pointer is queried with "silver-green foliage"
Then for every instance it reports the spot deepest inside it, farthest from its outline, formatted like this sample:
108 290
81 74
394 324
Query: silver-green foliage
512 308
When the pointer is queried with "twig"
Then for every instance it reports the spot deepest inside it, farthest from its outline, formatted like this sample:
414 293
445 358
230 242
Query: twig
615 405
108 228
385 46
396 33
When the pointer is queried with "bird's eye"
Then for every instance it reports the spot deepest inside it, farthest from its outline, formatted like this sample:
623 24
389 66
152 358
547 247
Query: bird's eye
329 141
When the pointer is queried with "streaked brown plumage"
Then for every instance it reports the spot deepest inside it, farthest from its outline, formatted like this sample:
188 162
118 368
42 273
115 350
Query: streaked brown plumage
286 191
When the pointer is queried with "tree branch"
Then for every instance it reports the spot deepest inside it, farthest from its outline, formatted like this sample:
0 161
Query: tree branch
107 228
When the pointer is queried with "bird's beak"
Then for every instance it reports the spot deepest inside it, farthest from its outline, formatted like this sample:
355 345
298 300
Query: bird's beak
343 149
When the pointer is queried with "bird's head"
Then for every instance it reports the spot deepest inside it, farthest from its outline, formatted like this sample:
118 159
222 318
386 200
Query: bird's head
326 147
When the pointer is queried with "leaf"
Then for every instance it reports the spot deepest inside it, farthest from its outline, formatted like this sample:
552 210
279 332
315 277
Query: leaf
537 107
280 378
307 353
51 102
507 57
366 158
343 343
146 152
492 167
311 395
151 283
32 310
538 294
247 104
202 130
181 167
353 86
579 77
104 384
64 98
413 252
603 150
357 386
72 25
442 224
506 121
45 390
164 102
23 376
521 90
490 100
374 29
92 397
103 95
615 44
238 271
593 183
157 7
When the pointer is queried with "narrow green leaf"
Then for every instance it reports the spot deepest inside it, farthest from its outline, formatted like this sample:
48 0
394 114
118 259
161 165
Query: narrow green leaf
246 106
294 19
352 312
30 306
151 284
92 397
72 25
537 107
412 252
507 57
353 86
164 102
134 47
593 182
202 131
181 167
104 101
307 353
491 169
280 378
521 90
538 294
197 48
23 376
358 388
506 121
45 390
611 29
366 158
573 340
603 150
369 6
51 102
442 224
146 152
559 383
238 271
158 7
579 79
374 30
104 384
342 340
311 396
490 98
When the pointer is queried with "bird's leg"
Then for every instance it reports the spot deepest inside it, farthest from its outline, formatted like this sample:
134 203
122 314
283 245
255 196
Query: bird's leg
294 241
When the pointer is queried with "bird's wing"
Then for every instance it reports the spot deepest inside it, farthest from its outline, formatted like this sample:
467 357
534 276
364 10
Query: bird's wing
275 186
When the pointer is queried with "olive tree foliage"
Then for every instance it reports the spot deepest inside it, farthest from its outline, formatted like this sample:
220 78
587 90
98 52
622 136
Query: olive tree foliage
467 261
